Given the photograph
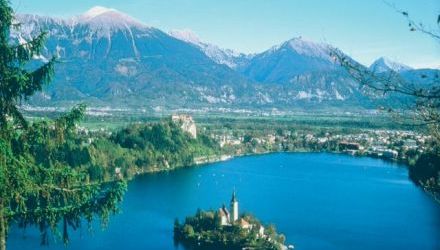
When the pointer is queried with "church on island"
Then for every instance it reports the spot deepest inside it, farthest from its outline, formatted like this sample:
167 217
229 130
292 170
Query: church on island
227 229
229 218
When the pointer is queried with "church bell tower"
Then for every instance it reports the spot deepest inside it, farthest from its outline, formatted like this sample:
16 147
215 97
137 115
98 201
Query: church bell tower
234 208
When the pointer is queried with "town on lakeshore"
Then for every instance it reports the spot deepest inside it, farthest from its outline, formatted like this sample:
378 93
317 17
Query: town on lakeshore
227 229
391 144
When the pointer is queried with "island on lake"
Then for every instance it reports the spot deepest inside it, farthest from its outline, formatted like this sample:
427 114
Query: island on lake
224 229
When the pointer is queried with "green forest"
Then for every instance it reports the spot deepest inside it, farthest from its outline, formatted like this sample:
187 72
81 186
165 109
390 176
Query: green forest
143 148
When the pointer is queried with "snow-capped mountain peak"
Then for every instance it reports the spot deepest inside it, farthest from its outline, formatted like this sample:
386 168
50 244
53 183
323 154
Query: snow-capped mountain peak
96 11
384 64
308 48
103 27
106 18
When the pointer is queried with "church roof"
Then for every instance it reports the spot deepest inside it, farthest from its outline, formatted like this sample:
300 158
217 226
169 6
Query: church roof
223 211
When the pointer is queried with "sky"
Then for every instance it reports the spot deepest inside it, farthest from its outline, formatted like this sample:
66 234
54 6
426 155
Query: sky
364 29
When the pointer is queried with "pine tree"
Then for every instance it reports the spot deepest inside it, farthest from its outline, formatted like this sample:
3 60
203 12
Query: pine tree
17 83
41 190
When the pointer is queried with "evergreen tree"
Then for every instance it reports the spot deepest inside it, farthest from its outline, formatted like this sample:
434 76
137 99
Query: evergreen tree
38 187
17 83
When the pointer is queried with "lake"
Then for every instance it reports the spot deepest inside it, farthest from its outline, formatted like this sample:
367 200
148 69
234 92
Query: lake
318 200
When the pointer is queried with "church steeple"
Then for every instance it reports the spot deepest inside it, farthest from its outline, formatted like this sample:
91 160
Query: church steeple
234 208
234 197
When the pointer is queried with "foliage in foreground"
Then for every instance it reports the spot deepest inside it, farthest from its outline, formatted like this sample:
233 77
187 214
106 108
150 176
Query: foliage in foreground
40 184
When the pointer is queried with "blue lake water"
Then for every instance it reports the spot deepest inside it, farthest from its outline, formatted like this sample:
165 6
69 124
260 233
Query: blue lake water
319 201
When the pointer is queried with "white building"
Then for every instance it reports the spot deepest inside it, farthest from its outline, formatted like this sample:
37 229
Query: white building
234 208
226 217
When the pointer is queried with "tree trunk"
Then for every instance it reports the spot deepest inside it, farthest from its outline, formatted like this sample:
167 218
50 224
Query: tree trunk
2 227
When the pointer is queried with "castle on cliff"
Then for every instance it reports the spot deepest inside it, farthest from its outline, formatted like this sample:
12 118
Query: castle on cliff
186 123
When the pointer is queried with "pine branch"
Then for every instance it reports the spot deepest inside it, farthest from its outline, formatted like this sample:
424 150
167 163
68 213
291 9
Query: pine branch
38 78
25 52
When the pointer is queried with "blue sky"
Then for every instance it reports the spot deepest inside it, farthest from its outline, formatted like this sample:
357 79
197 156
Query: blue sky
365 29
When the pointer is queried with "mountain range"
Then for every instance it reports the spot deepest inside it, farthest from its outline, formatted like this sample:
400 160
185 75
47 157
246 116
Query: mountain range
109 59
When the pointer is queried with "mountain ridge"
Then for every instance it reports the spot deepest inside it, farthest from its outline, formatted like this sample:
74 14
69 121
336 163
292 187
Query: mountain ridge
228 57
109 58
